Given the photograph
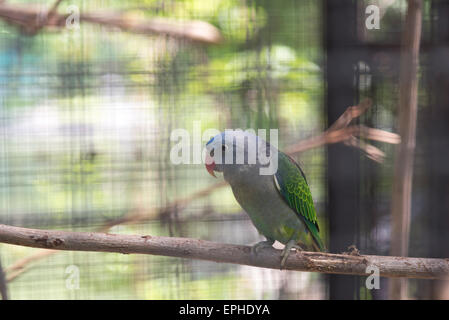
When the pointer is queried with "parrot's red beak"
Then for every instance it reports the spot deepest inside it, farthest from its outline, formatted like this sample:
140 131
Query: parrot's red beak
210 165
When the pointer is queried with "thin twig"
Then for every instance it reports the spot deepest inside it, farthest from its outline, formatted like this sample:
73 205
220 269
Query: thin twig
3 283
24 264
340 131
43 19
350 114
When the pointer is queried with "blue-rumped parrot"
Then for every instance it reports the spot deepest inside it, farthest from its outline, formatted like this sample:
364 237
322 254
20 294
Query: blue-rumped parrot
279 202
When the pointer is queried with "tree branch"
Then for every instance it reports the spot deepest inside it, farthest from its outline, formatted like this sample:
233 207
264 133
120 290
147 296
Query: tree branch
31 20
226 253
341 131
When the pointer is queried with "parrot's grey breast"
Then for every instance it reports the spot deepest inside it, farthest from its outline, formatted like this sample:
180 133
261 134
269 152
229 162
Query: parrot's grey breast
258 196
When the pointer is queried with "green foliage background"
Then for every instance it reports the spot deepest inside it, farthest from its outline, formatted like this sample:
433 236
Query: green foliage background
86 117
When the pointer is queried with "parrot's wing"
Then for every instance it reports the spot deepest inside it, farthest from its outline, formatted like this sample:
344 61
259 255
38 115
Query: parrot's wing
292 185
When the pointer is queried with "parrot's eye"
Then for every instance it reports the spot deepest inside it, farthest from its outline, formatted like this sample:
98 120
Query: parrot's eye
212 152
224 148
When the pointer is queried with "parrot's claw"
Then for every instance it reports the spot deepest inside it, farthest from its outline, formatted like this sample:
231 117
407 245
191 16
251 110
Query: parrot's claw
286 252
260 245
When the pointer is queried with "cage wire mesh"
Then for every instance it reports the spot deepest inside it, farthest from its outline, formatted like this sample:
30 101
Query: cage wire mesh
87 113
86 117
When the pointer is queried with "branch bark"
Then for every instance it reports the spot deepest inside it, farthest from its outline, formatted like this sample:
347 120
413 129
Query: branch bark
341 131
226 253
31 20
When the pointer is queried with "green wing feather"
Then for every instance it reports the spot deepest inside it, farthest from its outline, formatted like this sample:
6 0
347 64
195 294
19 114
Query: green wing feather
292 185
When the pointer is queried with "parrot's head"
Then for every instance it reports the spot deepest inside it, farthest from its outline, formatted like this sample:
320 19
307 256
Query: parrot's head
234 152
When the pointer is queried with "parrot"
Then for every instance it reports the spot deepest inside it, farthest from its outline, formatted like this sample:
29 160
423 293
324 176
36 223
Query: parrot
279 203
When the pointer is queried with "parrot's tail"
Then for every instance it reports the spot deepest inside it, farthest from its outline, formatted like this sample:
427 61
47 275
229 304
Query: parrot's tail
318 243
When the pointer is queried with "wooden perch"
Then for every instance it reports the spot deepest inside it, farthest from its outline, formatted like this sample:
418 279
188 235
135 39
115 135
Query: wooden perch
32 19
422 268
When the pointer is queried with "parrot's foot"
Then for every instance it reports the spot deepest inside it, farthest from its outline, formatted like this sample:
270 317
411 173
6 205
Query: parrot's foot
260 245
286 252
